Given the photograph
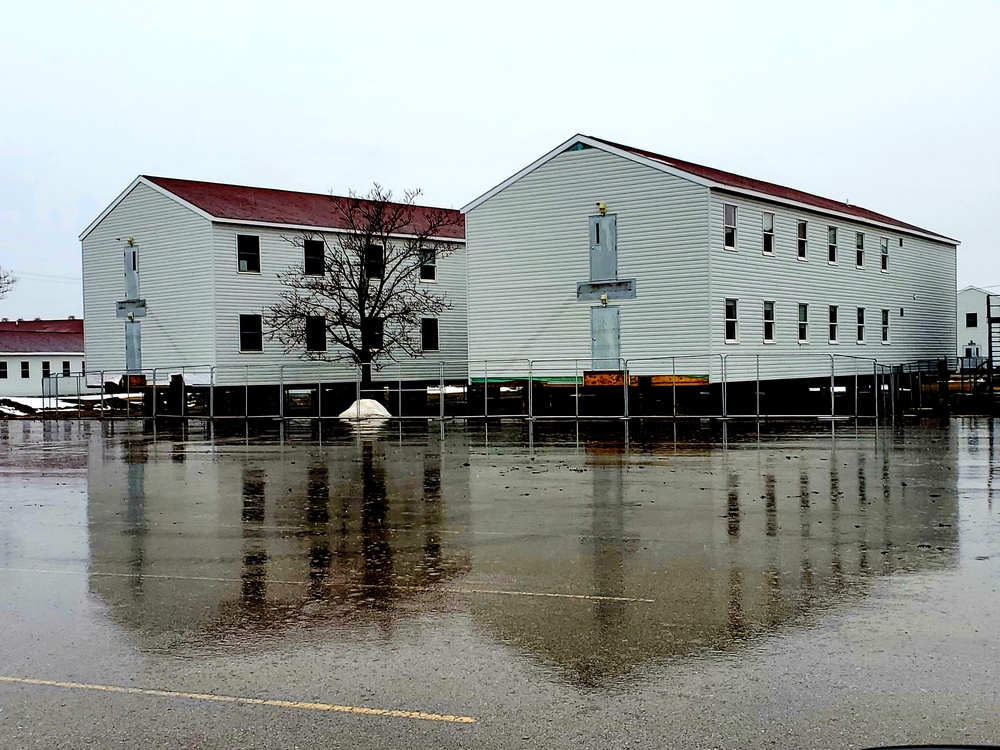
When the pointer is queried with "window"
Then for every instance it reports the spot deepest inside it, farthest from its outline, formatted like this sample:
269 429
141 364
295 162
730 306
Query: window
767 225
429 334
732 322
373 334
861 325
833 324
428 265
46 369
859 249
25 369
313 258
3 370
768 322
729 212
885 326
65 368
802 241
884 243
831 241
972 320
315 333
248 253
374 261
803 324
251 333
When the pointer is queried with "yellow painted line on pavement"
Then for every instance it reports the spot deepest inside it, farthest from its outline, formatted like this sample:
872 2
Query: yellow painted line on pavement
442 589
306 706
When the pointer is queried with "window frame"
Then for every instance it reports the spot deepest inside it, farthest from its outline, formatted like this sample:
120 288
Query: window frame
310 335
859 249
727 227
833 320
67 368
239 252
733 321
424 335
3 370
884 254
803 322
432 265
768 322
46 369
375 327
831 244
860 325
25 369
766 234
802 239
242 333
306 257
974 317
886 321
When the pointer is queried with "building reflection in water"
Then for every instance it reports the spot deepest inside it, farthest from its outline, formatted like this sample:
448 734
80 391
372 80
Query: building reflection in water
729 545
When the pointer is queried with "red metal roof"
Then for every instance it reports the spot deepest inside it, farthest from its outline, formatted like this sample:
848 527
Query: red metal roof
727 179
252 204
41 336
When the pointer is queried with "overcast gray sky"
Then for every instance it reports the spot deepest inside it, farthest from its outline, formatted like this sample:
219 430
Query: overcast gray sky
893 105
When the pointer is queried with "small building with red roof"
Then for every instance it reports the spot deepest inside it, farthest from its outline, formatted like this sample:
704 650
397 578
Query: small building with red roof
205 257
614 257
35 351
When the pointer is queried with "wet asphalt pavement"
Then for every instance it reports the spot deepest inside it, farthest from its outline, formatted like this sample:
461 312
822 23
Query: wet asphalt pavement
552 587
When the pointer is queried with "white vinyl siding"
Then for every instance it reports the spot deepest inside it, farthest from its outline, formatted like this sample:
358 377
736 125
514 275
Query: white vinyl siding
923 281
529 247
175 279
244 294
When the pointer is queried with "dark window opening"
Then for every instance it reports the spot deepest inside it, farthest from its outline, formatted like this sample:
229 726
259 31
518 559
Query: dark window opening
429 334
732 320
833 324
315 333
46 369
25 369
859 254
313 258
248 253
769 321
802 240
251 333
831 238
374 261
373 334
972 320
65 368
767 224
428 265
3 370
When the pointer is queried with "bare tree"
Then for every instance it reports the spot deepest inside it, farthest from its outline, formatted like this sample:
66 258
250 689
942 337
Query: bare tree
7 282
366 300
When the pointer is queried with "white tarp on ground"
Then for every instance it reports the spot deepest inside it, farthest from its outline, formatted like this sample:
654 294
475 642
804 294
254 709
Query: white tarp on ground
366 408
32 405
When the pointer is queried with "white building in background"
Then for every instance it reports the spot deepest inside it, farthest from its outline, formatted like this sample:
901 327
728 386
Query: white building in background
598 253
205 260
973 328
34 354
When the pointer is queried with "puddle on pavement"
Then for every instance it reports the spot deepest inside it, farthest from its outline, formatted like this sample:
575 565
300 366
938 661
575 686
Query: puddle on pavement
591 552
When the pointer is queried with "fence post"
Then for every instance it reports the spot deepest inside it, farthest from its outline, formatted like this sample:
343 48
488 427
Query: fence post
319 403
531 391
357 386
725 384
576 386
183 404
441 390
855 392
246 392
399 391
211 392
673 387
102 394
128 394
281 392
756 388
833 402
154 394
624 366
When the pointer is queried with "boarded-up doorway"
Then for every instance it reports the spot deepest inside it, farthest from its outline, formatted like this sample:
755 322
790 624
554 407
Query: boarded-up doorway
605 338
